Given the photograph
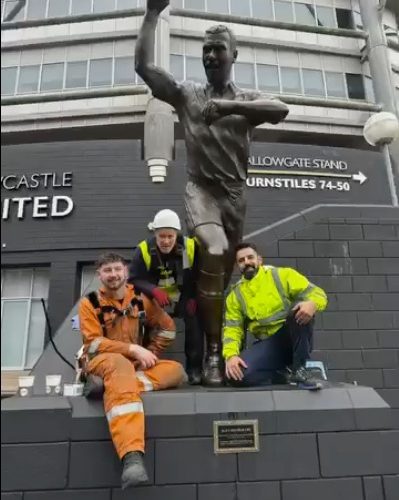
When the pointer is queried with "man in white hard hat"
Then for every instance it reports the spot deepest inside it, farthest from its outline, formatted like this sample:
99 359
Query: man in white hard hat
164 268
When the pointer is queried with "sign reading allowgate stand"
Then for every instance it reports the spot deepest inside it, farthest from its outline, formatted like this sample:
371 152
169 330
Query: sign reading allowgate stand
302 172
36 206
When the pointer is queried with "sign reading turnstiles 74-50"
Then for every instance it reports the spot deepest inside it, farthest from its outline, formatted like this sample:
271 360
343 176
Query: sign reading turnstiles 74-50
306 173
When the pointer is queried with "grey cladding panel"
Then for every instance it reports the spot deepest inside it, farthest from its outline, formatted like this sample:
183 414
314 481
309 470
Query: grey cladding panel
359 453
34 466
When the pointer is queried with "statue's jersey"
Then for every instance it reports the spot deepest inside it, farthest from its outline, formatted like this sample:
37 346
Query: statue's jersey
218 152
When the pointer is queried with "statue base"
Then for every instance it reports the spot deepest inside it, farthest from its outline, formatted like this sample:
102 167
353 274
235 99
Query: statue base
341 442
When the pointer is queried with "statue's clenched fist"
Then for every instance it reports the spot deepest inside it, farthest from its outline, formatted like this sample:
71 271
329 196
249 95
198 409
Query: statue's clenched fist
157 5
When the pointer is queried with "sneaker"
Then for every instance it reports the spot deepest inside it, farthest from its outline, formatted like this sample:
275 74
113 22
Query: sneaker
134 472
304 379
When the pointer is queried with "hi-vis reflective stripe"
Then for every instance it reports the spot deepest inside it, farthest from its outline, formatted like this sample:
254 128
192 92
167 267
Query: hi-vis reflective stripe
148 386
241 300
167 334
303 295
280 288
233 322
94 345
228 340
274 317
119 410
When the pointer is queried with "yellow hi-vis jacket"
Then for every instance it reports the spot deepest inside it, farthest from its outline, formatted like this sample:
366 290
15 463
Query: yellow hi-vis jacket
166 278
262 304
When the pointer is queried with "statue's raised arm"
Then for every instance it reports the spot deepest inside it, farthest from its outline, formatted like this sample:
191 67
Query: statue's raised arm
162 84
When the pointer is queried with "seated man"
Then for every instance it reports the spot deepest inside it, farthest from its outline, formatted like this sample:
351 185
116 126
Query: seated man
164 267
112 338
277 306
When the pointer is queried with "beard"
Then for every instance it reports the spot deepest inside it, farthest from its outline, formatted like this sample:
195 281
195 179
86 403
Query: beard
249 272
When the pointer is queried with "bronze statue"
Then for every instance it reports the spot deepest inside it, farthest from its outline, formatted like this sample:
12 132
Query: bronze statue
218 119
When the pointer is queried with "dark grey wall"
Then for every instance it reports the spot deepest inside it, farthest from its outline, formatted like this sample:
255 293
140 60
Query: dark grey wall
114 200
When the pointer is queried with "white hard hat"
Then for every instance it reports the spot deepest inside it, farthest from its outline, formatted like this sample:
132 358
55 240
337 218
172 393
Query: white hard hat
165 219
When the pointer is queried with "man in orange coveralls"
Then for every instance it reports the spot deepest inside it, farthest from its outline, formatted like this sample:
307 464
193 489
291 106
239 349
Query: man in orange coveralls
112 343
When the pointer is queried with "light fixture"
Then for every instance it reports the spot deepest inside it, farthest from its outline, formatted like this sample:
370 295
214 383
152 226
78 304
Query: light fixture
381 128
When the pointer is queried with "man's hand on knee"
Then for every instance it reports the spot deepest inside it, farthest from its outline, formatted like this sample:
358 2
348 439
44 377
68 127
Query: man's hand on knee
304 312
234 367
145 357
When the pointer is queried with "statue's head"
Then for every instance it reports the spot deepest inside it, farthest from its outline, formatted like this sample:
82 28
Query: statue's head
219 53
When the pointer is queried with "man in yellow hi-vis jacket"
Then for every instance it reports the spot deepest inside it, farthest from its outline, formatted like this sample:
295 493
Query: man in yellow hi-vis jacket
277 306
164 268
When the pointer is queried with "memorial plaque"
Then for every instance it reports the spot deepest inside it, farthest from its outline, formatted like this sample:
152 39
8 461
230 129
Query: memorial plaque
235 436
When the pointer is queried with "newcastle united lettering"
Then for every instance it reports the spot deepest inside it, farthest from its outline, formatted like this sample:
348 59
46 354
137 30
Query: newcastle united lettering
36 206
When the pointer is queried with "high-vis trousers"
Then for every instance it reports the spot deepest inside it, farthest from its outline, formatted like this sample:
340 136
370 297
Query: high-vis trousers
122 387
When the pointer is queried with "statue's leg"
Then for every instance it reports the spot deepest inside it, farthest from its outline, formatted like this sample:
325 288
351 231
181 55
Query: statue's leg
204 220
233 217
211 298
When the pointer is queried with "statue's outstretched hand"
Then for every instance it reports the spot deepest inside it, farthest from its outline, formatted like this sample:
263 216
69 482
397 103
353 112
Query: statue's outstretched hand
157 5
212 111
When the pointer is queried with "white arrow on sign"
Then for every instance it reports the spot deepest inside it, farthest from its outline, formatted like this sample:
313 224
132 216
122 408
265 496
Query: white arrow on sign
360 177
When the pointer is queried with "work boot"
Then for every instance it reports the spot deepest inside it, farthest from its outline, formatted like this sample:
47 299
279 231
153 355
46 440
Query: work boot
194 376
134 472
304 379
213 375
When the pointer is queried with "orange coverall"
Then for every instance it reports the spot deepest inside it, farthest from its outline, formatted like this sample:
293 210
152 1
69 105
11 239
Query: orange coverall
111 360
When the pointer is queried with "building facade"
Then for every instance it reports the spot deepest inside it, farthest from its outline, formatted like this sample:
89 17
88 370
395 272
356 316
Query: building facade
84 168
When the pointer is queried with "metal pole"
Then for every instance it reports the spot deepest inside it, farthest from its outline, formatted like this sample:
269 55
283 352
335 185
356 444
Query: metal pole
391 180
381 73
378 56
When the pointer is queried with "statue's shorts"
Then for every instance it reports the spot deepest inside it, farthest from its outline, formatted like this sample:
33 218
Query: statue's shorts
215 204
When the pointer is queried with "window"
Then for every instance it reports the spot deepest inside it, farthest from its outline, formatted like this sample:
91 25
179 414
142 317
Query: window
89 279
335 84
357 20
8 77
244 75
9 6
36 9
103 5
325 17
28 79
283 11
194 69
355 86
218 6
76 74
262 9
344 18
368 86
268 77
81 7
177 67
240 8
126 4
100 72
58 8
22 318
124 71
313 82
52 76
291 81
305 13
194 4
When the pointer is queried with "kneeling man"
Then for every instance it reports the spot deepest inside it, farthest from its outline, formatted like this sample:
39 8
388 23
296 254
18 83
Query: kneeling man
277 306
